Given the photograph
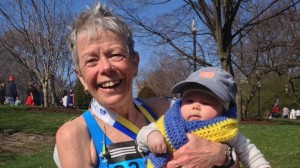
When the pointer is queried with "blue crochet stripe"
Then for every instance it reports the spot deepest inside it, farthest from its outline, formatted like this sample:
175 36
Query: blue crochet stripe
175 126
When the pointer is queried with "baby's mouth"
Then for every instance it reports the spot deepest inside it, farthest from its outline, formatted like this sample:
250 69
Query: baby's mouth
194 117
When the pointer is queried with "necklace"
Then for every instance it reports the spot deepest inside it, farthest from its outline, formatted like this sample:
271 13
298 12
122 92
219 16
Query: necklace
115 120
136 117
119 122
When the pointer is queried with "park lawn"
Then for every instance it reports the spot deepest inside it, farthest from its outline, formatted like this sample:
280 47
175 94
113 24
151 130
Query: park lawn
27 120
278 142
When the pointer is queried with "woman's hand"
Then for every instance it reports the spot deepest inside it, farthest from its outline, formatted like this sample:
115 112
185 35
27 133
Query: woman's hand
198 152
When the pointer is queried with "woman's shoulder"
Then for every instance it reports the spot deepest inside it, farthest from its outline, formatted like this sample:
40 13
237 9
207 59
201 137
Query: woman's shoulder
72 129
157 104
73 141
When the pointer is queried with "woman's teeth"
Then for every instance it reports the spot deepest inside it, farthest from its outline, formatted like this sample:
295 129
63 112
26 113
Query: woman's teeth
110 84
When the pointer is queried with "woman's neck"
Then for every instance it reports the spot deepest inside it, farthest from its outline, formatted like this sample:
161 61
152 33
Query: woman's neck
129 112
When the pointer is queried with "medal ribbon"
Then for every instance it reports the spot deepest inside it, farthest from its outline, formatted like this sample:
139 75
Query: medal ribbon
119 122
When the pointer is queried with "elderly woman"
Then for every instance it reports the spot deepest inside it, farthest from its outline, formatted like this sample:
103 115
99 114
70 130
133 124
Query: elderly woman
106 64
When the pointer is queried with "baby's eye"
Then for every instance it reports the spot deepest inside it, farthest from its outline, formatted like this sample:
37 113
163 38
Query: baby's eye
189 101
206 103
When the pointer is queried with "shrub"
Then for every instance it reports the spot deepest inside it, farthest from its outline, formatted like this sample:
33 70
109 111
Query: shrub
82 99
146 92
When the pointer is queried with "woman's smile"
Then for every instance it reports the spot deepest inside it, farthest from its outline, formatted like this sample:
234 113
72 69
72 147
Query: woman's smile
110 84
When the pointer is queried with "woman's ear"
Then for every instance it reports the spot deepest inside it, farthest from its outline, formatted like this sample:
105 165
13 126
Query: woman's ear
80 77
76 72
136 61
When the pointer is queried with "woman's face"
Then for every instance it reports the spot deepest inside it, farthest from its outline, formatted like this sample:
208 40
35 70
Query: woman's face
106 69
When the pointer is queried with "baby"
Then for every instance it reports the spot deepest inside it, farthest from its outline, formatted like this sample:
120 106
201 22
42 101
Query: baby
207 109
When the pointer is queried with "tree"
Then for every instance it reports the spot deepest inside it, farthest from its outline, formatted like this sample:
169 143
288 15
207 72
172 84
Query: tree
273 49
161 74
220 31
35 34
217 17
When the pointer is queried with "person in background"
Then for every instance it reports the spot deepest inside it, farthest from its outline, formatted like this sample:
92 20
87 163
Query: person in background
35 95
285 112
297 114
270 111
207 108
11 92
293 114
71 99
29 98
275 111
64 99
2 93
106 63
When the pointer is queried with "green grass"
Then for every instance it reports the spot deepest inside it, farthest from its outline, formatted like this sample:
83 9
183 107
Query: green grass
23 119
41 159
279 143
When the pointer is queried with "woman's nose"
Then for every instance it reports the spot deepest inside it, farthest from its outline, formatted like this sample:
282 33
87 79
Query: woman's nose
105 65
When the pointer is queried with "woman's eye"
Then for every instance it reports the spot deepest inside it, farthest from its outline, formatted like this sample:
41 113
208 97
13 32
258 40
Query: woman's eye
116 57
91 62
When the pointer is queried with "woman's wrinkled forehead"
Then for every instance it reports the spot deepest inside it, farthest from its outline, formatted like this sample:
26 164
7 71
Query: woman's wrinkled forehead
92 34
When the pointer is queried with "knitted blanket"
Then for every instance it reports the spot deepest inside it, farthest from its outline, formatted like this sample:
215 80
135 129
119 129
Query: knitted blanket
174 129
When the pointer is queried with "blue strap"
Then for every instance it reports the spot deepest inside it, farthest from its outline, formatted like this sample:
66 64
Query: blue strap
147 108
96 133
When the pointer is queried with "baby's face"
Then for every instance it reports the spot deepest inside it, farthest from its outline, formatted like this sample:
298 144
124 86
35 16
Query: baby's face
197 105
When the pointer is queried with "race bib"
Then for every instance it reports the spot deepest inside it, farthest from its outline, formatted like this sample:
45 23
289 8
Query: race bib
124 155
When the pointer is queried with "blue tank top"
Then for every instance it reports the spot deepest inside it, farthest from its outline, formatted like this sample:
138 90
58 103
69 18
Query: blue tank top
117 155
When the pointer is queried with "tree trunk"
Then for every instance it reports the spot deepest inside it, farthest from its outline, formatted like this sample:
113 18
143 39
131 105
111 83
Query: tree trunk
45 91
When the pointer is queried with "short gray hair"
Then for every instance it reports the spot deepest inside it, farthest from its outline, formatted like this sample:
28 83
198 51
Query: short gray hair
99 16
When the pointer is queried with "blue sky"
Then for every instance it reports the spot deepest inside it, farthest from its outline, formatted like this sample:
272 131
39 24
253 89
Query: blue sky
81 4
144 51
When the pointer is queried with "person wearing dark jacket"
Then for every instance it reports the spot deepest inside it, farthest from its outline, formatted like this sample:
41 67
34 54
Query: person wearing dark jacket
11 93
36 95
2 93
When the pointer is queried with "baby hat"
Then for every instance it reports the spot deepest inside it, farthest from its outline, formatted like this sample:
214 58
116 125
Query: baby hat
218 81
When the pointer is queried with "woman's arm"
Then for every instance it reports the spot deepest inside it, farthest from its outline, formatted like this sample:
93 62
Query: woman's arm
73 145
